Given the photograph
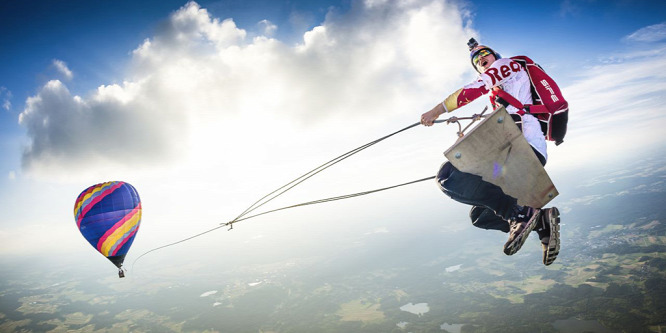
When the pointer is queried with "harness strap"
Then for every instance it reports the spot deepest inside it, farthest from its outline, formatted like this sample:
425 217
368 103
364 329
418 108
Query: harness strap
522 108
511 100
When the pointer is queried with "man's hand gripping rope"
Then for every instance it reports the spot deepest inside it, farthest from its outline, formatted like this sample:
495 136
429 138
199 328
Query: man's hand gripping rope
454 119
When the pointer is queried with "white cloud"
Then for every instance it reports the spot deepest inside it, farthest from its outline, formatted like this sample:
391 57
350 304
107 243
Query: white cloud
69 133
652 33
301 21
268 27
5 98
62 68
200 87
615 109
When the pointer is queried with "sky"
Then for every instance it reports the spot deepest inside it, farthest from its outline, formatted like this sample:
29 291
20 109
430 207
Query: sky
207 106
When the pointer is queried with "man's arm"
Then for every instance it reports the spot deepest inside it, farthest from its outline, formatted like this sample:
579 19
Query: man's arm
429 117
461 97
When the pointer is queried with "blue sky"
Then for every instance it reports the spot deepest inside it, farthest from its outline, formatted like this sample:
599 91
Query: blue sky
190 101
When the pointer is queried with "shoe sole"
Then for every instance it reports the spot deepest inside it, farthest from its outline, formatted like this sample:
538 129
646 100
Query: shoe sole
553 248
515 245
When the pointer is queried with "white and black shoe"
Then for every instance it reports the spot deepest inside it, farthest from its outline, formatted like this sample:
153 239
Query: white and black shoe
549 233
520 228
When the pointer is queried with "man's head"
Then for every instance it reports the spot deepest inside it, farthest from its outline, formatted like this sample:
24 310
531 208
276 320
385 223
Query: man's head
481 56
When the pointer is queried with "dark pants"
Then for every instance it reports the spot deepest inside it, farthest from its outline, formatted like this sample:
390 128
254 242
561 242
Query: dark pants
491 207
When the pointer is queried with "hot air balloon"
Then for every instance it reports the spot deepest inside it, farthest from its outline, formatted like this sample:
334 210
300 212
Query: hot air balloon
108 216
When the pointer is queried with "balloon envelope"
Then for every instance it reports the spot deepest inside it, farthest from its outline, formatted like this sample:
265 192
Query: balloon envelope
108 216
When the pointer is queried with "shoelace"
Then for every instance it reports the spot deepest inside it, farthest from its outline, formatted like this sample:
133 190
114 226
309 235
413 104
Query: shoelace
515 226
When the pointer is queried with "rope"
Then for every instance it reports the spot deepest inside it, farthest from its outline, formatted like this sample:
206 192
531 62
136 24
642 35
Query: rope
281 190
346 196
238 219
174 243
284 188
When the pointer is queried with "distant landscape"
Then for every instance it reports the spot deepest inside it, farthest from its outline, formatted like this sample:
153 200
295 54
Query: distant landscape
610 277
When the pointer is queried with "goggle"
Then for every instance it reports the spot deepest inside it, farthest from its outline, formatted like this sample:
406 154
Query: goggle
480 54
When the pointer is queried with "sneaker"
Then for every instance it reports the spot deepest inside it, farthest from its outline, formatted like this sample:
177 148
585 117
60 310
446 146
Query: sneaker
520 228
549 233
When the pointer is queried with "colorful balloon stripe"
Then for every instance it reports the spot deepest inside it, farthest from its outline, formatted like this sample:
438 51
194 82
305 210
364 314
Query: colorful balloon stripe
85 195
94 197
127 237
119 232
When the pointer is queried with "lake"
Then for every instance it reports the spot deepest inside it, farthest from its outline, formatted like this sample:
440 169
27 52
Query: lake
417 309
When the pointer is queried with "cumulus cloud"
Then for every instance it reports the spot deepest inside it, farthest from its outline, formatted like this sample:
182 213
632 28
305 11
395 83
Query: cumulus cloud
201 78
61 67
113 127
652 33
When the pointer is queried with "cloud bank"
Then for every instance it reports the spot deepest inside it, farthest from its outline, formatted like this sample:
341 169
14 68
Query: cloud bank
200 76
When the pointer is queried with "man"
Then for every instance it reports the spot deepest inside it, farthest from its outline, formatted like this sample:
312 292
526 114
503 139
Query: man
491 207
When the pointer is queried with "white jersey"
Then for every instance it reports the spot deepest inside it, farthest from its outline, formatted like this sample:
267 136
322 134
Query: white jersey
511 77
